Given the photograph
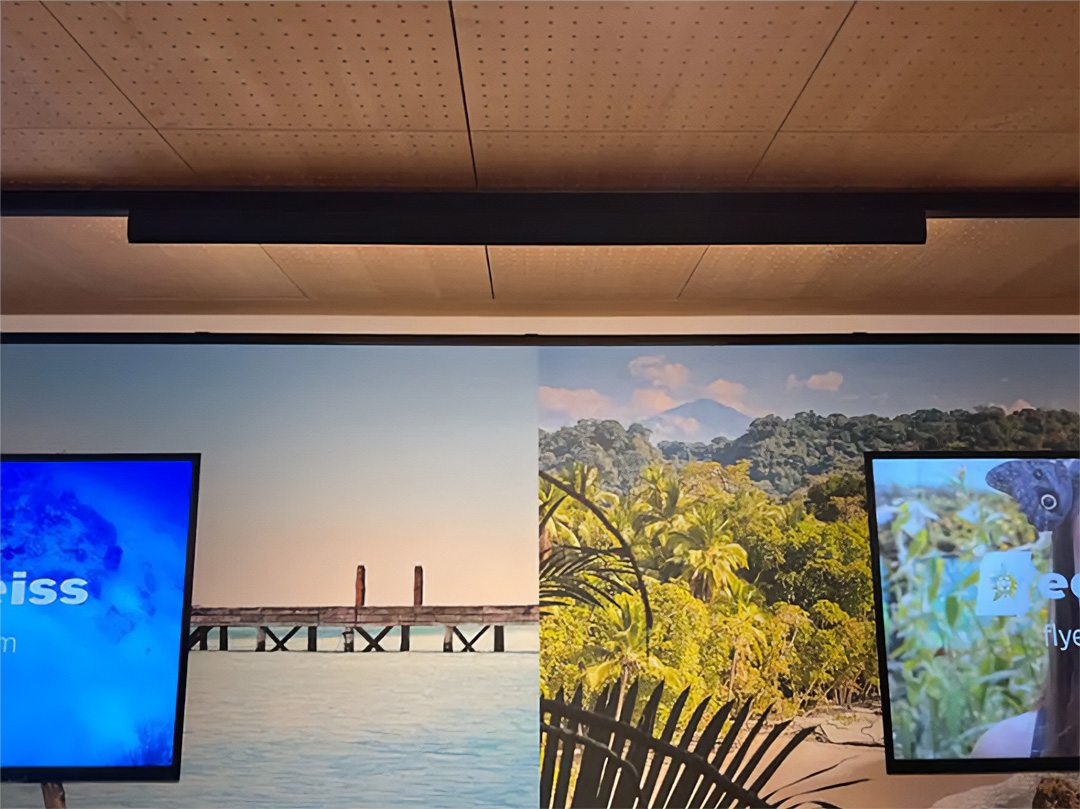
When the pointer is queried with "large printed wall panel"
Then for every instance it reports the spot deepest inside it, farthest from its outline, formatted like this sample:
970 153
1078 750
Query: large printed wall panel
392 608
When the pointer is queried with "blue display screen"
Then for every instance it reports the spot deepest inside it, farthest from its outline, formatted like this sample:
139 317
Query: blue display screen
93 561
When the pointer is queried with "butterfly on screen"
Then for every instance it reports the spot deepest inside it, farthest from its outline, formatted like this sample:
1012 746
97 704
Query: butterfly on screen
1043 488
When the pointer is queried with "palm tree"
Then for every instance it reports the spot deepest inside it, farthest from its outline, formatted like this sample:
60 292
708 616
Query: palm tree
704 553
626 655
594 510
660 500
750 640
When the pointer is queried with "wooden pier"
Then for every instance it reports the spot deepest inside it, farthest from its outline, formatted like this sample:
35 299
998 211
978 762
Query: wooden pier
361 620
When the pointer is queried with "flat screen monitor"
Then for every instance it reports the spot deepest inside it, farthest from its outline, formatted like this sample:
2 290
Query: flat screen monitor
977 595
96 557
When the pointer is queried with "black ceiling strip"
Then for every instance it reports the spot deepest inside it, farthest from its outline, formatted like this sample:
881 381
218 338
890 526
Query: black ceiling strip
306 216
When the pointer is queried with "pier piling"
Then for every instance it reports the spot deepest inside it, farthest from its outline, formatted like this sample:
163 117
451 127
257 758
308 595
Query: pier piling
417 600
348 633
313 639
260 639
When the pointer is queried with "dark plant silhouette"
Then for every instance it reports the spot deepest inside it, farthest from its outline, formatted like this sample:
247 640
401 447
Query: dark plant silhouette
628 552
591 576
600 757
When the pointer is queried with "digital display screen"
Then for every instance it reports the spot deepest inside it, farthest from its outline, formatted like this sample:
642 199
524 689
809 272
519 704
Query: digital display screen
978 596
95 560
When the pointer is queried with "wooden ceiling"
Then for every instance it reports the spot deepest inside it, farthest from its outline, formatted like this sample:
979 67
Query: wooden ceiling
54 265
541 95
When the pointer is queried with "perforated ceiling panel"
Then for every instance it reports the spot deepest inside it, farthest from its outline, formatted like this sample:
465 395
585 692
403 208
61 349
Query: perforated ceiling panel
921 160
967 265
305 65
67 263
616 159
589 66
379 275
560 94
301 157
49 81
598 275
979 66
81 156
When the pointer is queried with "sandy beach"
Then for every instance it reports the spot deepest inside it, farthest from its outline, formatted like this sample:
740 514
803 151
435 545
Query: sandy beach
841 739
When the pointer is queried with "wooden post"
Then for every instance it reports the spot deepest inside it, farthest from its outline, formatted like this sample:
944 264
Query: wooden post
260 639
313 639
223 638
361 587
500 639
348 639
417 600
203 644
448 639
54 796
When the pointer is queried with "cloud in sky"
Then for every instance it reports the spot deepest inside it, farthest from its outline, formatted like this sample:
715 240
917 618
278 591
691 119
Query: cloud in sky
576 403
671 387
679 428
589 403
830 381
662 374
1019 404
650 401
732 394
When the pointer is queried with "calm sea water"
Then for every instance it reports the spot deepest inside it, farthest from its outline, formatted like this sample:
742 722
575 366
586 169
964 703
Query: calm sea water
348 730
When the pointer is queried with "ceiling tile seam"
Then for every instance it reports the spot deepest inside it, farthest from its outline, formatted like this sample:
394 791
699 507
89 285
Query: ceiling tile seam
117 86
464 100
836 33
694 270
491 278
281 269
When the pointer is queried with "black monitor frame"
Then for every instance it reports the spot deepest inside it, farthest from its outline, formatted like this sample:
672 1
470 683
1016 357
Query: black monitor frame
901 766
120 773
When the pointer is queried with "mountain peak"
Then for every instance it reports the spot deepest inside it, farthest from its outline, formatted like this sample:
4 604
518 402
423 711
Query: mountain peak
699 420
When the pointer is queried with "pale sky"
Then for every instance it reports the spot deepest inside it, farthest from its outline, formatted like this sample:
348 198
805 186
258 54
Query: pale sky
314 459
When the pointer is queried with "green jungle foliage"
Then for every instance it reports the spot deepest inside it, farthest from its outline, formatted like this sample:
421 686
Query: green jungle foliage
952 673
756 594
787 453
752 598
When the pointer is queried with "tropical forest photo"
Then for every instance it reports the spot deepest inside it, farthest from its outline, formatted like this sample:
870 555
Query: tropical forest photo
704 536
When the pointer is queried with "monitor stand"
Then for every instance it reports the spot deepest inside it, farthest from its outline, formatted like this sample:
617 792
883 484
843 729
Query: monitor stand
54 796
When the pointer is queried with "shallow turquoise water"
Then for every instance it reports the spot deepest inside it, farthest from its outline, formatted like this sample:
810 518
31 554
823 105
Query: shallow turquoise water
348 730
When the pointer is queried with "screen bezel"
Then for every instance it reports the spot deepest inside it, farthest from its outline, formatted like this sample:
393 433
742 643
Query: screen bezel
905 766
128 773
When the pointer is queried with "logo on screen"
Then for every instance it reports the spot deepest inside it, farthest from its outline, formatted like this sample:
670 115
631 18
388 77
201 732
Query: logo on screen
1005 579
